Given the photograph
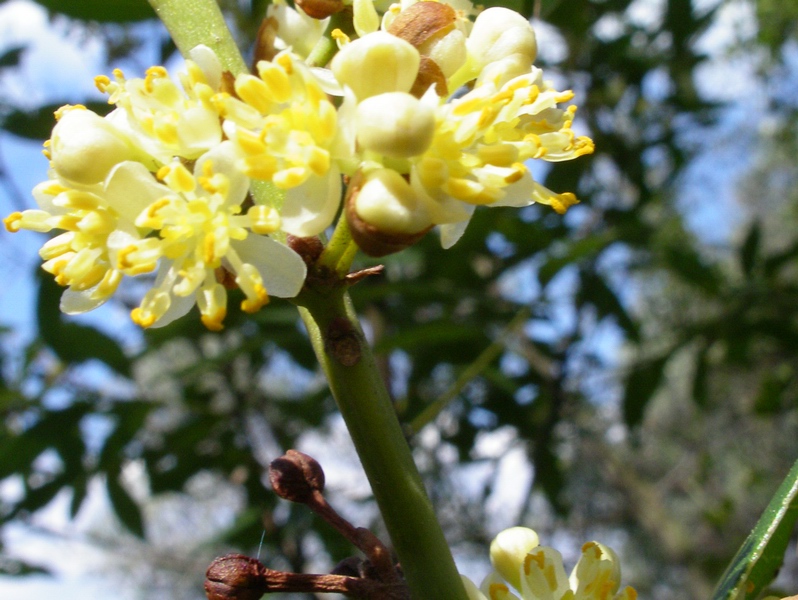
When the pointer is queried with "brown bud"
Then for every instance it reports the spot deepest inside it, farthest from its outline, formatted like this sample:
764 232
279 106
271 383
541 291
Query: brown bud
309 248
342 342
423 21
320 9
429 73
369 238
264 41
295 476
235 577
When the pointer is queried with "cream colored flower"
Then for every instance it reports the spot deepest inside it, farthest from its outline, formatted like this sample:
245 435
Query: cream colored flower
536 572
283 126
190 229
197 232
165 120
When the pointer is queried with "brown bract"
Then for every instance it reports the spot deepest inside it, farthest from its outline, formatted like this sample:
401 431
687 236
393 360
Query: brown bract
423 21
320 9
369 238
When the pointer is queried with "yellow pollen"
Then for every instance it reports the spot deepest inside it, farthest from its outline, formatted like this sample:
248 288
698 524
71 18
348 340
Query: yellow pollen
118 74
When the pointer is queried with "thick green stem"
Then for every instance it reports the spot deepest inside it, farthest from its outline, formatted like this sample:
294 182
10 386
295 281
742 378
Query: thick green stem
367 409
193 22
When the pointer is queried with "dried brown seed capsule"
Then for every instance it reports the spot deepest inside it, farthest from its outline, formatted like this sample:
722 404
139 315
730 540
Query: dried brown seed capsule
295 476
235 577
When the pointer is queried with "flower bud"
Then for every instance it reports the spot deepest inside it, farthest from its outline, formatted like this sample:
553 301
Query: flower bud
431 28
384 213
508 551
375 64
395 124
85 147
295 476
499 32
235 577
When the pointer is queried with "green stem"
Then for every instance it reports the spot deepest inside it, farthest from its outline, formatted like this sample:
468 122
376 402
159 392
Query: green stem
380 442
340 250
193 22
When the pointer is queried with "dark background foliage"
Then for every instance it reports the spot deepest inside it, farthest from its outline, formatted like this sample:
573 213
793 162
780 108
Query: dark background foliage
646 375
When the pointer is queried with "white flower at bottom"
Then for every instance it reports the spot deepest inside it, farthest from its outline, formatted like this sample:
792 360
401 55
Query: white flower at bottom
537 573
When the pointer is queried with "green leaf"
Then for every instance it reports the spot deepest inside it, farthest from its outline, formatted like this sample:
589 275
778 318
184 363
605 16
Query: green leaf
759 558
74 343
749 252
125 507
640 387
116 11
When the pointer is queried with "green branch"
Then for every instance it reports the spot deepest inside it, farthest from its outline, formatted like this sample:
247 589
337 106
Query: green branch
366 407
193 22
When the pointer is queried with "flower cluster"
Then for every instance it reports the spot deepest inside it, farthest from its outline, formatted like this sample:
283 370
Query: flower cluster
536 572
429 112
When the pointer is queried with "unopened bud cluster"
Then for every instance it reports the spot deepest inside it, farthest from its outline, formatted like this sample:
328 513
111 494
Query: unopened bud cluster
430 110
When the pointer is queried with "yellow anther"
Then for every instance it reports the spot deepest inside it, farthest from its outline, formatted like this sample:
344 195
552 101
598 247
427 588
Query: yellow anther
127 262
519 170
290 178
254 304
284 60
263 219
139 318
13 222
153 73
101 82
214 320
340 37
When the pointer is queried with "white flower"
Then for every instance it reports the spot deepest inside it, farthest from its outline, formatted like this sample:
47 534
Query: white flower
537 573
165 120
283 127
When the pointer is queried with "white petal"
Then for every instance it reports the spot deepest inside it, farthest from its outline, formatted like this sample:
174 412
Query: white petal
310 208
451 233
76 303
130 188
179 307
282 269
518 194
207 60
223 159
